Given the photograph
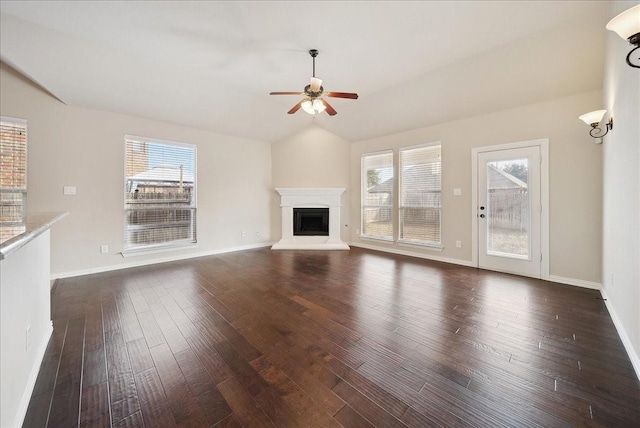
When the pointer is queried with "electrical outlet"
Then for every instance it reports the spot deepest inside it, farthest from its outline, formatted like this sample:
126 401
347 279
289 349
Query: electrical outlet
104 249
28 337
242 234
257 233
69 190
458 244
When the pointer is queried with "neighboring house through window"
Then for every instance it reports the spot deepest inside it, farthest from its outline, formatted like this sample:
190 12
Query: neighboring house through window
13 174
420 194
419 179
377 195
159 195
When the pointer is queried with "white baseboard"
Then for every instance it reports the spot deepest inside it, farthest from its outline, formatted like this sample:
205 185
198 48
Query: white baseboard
173 258
23 406
412 254
575 282
552 278
633 355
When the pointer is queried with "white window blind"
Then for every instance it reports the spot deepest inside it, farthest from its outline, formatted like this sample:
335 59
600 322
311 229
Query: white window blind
159 195
377 195
13 170
420 194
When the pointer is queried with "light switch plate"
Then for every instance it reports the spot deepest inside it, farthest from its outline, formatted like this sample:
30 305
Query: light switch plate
457 191
69 190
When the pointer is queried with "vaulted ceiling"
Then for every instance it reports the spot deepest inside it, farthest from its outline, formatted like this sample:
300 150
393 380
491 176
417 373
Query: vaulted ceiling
212 65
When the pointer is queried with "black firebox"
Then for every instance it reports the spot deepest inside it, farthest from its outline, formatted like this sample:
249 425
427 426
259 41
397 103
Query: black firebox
311 221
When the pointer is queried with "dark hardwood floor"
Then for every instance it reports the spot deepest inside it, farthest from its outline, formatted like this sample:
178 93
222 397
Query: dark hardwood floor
353 338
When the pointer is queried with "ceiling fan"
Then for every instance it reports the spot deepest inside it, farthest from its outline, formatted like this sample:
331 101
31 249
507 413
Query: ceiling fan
314 101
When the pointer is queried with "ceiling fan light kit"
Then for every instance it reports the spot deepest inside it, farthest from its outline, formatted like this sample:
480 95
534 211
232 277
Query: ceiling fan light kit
313 107
315 101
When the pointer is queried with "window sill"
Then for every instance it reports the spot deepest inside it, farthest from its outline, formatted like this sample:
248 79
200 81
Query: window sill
433 247
376 238
156 250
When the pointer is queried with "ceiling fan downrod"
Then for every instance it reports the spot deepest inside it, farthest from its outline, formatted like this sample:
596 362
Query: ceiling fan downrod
315 88
314 54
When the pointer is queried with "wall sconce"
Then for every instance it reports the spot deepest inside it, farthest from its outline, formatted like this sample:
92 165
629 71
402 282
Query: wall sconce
627 25
593 118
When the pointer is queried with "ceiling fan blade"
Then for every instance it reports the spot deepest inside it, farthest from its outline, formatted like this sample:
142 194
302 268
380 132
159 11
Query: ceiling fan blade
349 95
295 108
330 110
286 93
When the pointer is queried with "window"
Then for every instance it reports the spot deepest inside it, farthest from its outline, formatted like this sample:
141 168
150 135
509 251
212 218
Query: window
420 195
159 194
13 171
377 195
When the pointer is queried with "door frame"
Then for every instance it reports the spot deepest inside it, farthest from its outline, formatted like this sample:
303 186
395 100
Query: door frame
543 144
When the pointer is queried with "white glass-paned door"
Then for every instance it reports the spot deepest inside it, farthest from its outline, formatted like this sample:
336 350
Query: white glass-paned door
509 210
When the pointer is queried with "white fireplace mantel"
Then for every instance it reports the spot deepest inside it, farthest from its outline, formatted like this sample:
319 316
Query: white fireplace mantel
291 198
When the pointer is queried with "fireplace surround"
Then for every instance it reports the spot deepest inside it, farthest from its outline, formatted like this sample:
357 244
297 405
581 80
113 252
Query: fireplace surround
291 198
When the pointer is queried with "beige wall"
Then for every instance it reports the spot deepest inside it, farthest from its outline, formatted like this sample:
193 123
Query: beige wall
621 227
311 158
575 179
74 146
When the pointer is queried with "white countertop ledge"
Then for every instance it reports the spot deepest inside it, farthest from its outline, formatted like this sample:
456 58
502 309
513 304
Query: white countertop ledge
25 232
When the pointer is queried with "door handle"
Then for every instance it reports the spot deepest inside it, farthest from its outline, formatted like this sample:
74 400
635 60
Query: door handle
481 208
481 215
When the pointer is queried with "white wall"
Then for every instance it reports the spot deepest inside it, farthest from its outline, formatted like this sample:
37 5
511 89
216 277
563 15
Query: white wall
75 146
24 301
621 249
312 158
575 180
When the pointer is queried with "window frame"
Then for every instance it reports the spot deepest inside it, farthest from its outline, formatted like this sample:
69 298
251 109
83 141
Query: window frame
18 123
363 193
152 247
400 207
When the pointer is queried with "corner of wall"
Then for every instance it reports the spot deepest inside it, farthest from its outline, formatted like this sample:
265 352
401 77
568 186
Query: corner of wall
621 191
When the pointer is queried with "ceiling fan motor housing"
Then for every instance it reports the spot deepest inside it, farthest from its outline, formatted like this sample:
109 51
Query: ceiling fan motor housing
312 94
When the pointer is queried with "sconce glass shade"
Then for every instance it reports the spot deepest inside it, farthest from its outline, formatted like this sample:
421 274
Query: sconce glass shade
592 117
627 24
